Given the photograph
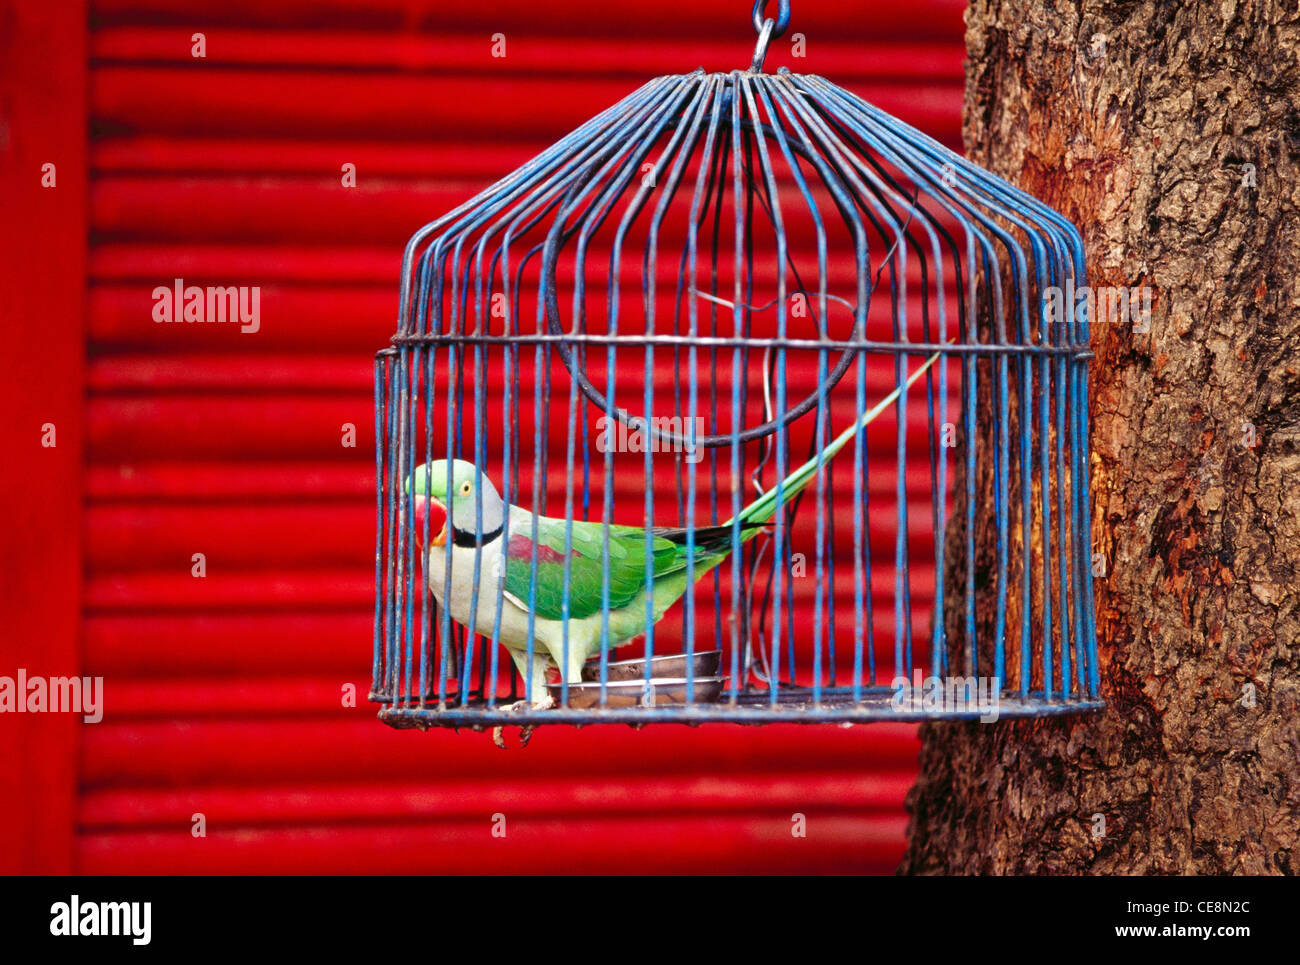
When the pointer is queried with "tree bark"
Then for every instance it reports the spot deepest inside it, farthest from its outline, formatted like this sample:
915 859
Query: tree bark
1169 134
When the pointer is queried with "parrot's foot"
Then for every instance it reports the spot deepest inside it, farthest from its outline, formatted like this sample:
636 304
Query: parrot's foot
525 732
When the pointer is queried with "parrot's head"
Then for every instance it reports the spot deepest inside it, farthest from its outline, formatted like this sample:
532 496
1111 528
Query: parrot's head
453 508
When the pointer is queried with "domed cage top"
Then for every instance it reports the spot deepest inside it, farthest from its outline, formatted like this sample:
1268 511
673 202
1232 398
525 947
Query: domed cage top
679 412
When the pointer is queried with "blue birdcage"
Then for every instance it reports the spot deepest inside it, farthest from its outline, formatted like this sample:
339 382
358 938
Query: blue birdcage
746 339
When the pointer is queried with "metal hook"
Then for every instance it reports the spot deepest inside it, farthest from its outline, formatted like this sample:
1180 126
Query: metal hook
760 49
768 30
782 17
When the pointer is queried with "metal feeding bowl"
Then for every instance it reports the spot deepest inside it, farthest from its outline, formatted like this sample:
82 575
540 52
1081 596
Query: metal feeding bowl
658 692
670 666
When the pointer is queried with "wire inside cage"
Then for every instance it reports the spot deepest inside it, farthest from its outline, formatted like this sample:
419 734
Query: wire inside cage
677 305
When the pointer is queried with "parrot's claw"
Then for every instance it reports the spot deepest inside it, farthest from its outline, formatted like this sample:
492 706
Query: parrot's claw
525 732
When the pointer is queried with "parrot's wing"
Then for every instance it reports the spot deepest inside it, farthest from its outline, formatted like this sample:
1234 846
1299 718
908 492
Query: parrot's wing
627 565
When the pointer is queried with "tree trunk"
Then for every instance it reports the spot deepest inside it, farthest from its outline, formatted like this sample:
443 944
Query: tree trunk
1169 134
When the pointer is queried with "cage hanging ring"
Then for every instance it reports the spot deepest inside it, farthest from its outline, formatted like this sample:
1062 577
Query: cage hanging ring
782 17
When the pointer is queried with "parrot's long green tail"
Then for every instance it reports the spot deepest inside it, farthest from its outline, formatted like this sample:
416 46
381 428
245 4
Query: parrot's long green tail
762 509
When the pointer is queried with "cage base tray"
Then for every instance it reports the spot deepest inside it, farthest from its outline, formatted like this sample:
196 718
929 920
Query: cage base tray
794 705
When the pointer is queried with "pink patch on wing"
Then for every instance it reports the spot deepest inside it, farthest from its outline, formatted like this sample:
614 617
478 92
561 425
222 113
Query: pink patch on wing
521 548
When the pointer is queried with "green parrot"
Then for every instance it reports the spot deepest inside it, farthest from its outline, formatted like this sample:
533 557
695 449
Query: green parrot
511 538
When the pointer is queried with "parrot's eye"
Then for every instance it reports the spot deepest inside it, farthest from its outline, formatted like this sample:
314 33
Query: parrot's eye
465 488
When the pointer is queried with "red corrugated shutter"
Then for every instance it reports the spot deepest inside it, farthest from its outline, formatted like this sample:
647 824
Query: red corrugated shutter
224 692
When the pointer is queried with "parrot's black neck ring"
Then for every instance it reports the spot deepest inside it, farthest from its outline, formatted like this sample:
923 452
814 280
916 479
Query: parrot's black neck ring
463 538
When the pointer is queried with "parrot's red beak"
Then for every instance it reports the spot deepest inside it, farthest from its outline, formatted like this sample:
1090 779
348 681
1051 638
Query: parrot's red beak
427 506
